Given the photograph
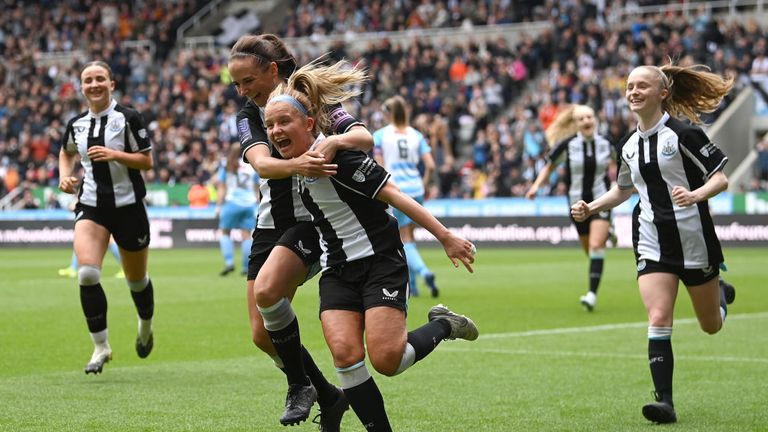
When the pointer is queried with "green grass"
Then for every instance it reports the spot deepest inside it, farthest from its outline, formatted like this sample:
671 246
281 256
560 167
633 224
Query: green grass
205 375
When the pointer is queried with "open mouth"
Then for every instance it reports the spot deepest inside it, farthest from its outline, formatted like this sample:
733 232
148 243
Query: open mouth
282 142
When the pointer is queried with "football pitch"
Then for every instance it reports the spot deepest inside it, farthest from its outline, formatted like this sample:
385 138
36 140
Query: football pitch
541 363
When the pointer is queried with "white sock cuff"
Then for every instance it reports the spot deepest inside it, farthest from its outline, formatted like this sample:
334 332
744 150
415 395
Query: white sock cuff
354 375
409 358
278 316
139 285
597 254
659 333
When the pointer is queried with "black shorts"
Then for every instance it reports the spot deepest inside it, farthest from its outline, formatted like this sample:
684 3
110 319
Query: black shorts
690 277
129 225
301 238
583 227
378 280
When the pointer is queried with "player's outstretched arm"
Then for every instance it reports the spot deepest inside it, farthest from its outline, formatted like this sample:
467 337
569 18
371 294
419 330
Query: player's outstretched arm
457 248
582 210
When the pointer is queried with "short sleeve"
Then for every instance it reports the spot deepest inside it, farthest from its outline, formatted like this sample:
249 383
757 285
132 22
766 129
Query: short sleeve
68 139
695 144
250 129
340 121
138 134
624 176
359 173
424 147
557 155
377 142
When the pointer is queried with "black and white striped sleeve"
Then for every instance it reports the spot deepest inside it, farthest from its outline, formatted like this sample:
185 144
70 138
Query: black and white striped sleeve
707 157
138 135
359 173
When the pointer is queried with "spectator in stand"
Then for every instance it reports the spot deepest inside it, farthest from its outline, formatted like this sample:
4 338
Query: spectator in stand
198 194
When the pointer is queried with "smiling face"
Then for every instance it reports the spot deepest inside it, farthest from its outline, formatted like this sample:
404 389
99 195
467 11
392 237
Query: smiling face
645 92
288 130
253 80
97 87
585 120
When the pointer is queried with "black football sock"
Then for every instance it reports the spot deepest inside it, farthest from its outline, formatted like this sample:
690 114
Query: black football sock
326 392
94 303
596 259
283 329
364 397
662 363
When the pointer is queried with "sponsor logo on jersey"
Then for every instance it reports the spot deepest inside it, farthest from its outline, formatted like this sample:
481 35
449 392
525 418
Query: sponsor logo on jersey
141 241
304 250
668 149
641 265
79 129
708 270
244 130
629 156
390 295
604 214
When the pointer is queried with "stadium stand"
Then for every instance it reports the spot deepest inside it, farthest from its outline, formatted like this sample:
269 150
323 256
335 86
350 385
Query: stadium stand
483 103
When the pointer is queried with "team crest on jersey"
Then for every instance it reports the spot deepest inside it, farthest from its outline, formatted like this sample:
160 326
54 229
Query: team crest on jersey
116 125
142 133
310 180
707 150
641 265
358 176
668 150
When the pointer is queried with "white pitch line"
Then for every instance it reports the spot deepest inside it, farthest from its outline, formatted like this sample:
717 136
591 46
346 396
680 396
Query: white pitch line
604 355
608 327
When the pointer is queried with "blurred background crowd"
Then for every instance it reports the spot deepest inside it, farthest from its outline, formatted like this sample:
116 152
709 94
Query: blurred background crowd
483 106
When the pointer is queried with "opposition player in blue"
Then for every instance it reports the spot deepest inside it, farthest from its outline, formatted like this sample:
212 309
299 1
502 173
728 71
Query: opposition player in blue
399 148
235 206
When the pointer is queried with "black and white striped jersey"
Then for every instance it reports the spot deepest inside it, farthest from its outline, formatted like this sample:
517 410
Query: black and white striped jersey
280 206
108 184
671 153
352 223
586 166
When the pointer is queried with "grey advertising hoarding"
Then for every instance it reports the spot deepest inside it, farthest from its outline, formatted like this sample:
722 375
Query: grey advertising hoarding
166 233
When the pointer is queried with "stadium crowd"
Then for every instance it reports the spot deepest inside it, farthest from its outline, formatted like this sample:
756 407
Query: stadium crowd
483 106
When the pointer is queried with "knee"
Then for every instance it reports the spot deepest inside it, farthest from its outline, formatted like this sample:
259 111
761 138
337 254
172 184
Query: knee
266 291
659 318
386 361
88 275
712 327
345 355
